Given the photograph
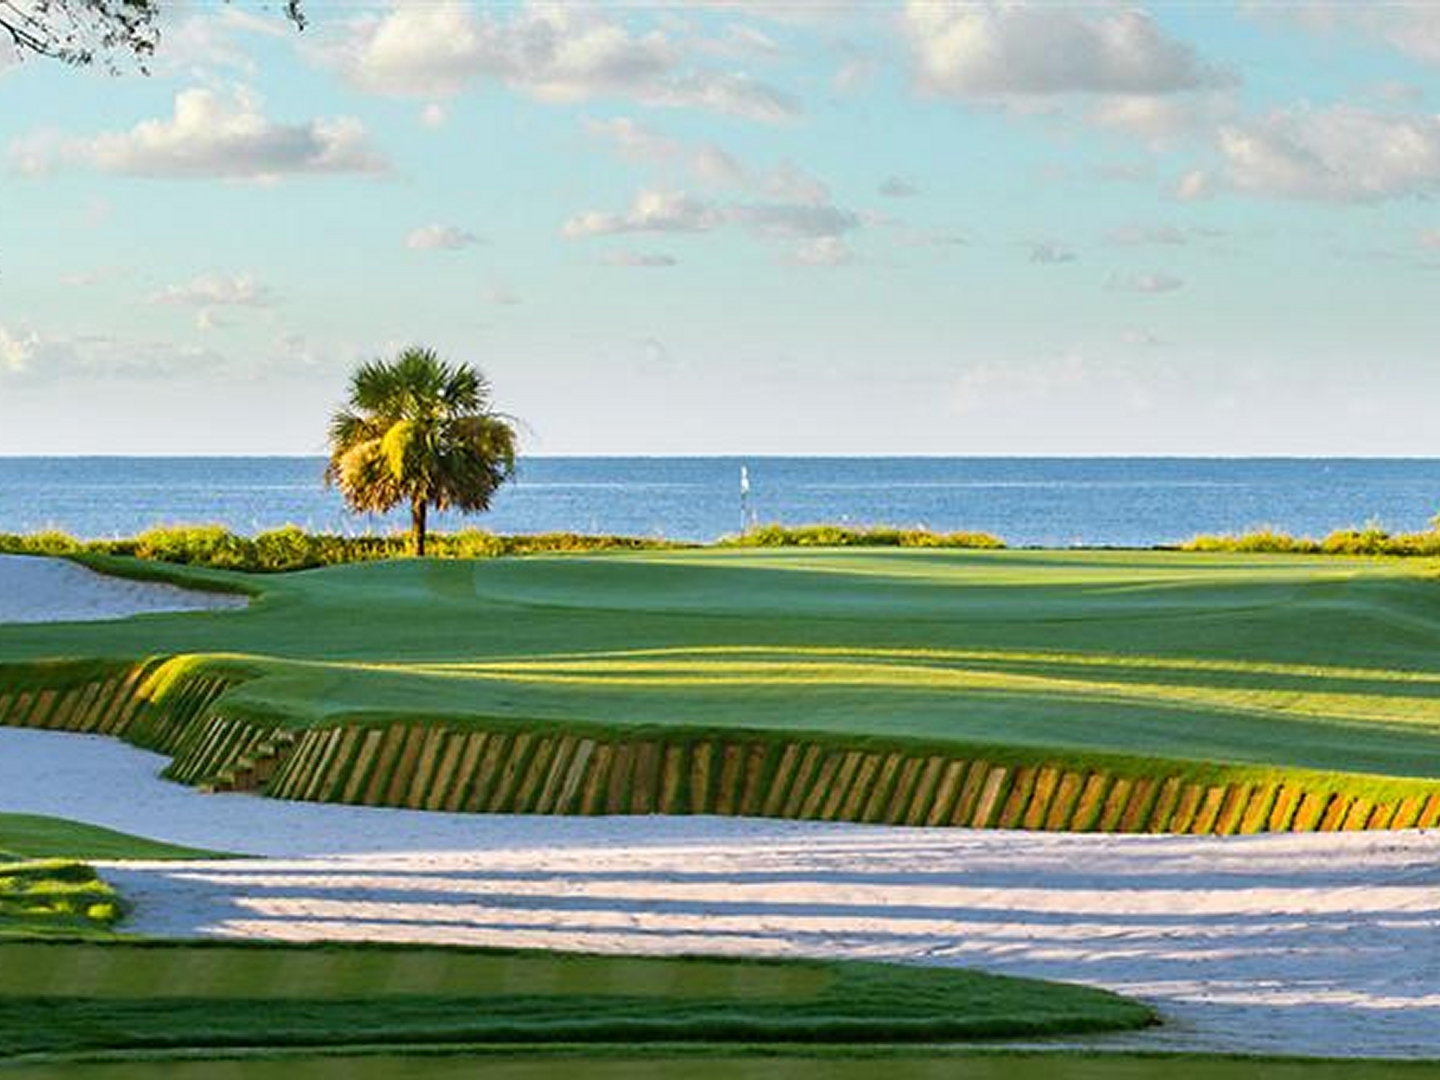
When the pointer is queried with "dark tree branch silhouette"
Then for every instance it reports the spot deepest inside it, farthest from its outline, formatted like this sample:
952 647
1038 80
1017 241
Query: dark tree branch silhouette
82 32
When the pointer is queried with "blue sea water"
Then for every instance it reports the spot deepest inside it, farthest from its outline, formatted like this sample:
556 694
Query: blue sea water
1027 501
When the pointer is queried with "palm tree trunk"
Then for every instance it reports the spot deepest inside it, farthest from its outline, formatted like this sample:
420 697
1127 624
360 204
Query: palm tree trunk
417 526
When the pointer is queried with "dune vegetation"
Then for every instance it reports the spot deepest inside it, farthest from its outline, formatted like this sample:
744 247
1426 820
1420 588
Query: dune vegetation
1138 691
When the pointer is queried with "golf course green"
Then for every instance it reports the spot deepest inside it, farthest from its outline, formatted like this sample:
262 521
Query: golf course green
1126 691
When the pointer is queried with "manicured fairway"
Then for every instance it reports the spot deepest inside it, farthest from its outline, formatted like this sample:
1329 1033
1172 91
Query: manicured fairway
1032 658
862 1064
72 998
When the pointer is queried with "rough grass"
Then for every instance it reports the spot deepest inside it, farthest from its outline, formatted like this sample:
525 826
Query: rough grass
54 898
31 836
77 998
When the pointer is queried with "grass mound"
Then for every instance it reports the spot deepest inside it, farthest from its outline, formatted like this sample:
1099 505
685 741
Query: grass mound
76 997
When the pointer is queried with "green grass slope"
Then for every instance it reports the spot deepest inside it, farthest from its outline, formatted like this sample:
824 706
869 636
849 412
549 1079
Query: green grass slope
72 998
31 836
1025 659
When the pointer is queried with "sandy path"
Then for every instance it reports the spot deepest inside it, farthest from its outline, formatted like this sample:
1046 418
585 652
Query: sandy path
1306 944
55 590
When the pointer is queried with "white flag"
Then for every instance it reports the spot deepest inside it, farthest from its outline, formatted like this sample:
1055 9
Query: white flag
744 480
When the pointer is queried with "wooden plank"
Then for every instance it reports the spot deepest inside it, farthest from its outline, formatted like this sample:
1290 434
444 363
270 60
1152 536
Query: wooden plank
366 755
1309 813
1209 812
1407 813
884 785
386 760
490 774
1012 814
947 793
511 772
853 784
1335 812
1188 805
1114 806
842 784
400 779
421 784
597 779
761 761
445 771
1287 802
675 771
1062 806
785 771
531 776
923 796
622 767
1357 816
992 792
964 812
1382 815
1430 816
548 799
1047 779
701 798
1091 802
1139 806
820 790
804 781
645 781
572 790
1227 822
1256 815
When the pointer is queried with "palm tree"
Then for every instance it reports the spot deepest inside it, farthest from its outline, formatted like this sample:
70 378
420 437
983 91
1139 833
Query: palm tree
418 430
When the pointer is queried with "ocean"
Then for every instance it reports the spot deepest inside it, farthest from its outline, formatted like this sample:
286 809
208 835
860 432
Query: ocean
1124 502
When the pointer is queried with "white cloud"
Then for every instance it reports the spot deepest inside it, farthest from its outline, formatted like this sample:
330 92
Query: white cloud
218 290
806 224
1194 185
636 142
651 211
650 259
551 52
794 221
433 116
211 135
1341 154
1430 238
81 279
30 356
1146 283
990 50
1162 120
1411 28
824 251
441 238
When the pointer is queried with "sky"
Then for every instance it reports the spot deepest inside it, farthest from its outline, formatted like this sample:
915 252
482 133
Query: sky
738 227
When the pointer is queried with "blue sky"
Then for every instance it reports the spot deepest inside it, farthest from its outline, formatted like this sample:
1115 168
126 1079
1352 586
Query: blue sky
933 228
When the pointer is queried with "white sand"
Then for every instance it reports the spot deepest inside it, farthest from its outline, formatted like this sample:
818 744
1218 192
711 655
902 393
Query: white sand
36 589
1316 944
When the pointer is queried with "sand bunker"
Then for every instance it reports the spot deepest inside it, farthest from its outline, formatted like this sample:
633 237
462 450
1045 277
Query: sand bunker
1306 944
55 590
